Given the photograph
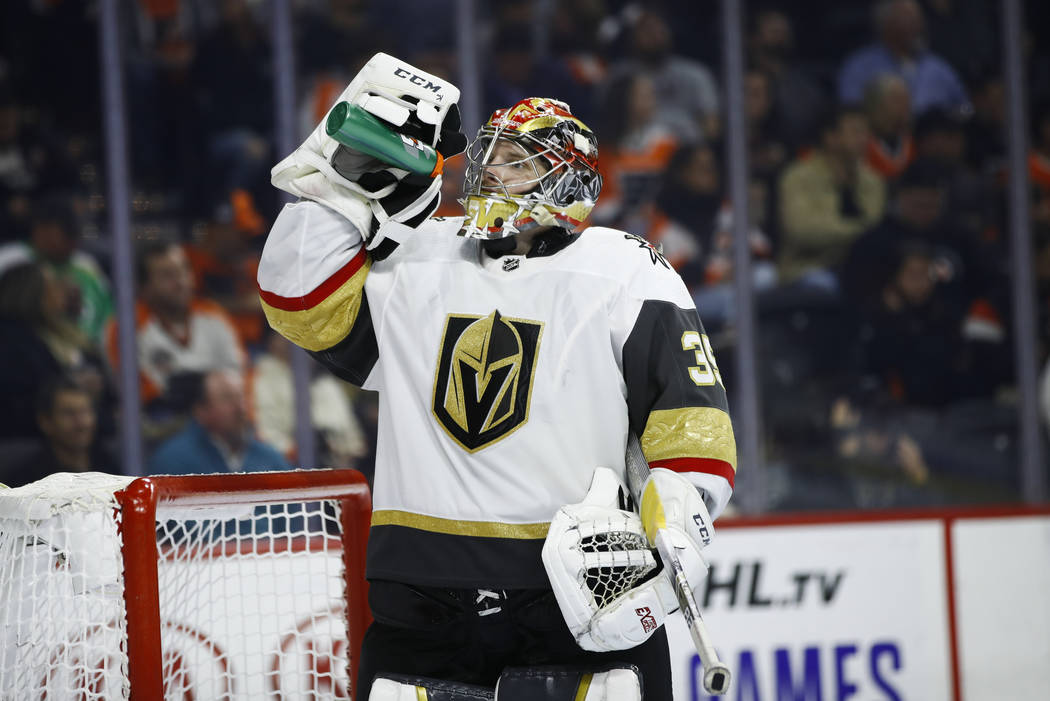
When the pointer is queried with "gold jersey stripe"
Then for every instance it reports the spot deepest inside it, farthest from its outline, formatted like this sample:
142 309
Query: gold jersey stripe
584 687
692 432
421 693
448 526
326 323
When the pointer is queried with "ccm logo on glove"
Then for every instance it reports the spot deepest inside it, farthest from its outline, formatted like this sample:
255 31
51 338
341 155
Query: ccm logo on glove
419 80
705 532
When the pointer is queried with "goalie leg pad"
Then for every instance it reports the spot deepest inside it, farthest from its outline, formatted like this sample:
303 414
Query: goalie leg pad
399 687
569 683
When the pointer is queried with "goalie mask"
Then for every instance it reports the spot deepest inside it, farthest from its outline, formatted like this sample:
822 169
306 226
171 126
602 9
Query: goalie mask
533 164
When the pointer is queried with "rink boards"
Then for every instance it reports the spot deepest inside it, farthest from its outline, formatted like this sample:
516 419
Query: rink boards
935 605
926 606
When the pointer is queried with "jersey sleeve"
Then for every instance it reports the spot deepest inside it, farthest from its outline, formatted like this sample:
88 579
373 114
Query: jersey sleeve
675 395
312 287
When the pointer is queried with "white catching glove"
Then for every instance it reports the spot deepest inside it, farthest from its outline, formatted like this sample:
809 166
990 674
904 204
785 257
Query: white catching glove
605 577
673 506
410 101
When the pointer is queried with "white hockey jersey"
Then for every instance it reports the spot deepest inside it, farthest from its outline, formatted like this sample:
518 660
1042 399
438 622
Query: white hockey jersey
503 381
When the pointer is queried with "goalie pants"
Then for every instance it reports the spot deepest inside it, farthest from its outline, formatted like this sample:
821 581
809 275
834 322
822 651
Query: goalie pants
471 635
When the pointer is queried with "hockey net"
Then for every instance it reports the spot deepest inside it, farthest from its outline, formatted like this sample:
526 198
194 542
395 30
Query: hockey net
239 586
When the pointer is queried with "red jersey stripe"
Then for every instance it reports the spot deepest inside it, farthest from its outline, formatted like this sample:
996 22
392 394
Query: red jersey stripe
320 293
709 465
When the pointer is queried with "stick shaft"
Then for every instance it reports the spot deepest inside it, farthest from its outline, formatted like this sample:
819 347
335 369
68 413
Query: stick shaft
716 673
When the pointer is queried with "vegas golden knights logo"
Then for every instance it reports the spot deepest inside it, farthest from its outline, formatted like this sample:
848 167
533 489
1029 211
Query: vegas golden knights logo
484 377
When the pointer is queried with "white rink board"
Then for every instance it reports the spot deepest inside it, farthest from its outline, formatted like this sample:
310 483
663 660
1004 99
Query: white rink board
840 611
1002 590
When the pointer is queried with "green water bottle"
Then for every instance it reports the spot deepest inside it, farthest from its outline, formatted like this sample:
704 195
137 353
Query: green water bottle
358 129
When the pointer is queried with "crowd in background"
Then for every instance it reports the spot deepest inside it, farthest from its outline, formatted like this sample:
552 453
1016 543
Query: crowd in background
876 203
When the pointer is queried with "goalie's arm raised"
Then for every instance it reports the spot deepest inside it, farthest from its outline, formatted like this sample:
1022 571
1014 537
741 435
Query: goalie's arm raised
353 210
311 285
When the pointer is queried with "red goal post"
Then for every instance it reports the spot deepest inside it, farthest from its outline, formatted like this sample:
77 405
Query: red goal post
206 586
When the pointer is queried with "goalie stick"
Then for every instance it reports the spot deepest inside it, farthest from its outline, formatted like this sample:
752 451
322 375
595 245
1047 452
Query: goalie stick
716 673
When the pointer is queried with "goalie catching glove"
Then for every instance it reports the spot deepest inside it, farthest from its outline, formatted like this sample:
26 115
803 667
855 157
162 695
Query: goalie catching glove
608 583
411 103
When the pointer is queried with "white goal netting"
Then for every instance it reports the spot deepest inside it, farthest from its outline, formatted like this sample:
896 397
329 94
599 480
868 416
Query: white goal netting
209 587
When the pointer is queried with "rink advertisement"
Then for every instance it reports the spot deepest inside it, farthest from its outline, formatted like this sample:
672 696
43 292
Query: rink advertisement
825 613
905 609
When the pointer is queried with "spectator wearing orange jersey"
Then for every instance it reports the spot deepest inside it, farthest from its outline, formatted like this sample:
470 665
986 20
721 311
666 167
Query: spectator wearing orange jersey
224 269
175 330
887 104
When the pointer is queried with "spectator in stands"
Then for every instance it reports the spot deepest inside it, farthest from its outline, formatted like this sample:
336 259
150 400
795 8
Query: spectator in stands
694 228
684 90
689 204
900 50
717 296
913 339
218 437
224 270
920 213
176 331
826 200
53 237
37 344
65 414
640 146
941 137
798 100
342 439
887 104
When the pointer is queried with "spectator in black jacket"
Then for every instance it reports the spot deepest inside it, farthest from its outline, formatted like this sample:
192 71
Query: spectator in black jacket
37 344
66 416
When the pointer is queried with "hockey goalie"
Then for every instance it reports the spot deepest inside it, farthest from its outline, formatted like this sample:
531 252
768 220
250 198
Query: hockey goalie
514 350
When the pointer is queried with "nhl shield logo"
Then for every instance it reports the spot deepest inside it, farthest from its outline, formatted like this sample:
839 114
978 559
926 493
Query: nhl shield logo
483 383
